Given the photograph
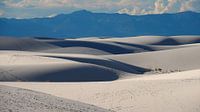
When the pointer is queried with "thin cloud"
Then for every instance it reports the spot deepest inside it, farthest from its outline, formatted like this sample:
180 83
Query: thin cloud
36 3
160 7
186 5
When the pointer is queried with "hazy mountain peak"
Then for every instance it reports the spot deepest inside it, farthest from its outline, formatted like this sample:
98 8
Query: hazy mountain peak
81 12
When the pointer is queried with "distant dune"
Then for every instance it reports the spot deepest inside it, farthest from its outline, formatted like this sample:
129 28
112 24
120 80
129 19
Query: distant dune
7 43
145 73
96 59
173 60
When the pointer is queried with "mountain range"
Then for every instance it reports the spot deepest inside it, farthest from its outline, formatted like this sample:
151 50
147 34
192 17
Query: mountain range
84 23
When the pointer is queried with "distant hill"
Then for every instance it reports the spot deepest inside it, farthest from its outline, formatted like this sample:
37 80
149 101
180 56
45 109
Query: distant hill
85 24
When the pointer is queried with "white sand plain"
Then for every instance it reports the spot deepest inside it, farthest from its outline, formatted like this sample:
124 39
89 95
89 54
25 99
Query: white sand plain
133 74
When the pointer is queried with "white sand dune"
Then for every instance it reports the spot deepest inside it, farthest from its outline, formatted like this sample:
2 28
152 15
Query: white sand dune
29 66
180 59
21 100
156 40
175 92
24 44
77 50
134 74
22 66
94 46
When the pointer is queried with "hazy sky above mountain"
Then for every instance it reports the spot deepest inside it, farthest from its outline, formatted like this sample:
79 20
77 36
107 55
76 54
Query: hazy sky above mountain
48 8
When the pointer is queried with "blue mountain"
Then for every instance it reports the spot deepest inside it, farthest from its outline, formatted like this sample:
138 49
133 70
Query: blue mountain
86 24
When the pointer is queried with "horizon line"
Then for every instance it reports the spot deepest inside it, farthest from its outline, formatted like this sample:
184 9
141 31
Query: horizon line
95 13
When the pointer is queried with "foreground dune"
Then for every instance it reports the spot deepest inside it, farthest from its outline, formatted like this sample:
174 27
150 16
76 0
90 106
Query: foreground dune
175 92
134 74
21 100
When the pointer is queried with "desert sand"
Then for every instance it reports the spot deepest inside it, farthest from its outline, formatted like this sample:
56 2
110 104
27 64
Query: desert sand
23 100
130 74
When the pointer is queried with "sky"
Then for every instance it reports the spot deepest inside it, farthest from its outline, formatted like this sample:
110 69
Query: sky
50 8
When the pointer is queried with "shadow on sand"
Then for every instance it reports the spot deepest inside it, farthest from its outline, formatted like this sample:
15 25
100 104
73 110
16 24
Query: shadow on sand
114 49
112 64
